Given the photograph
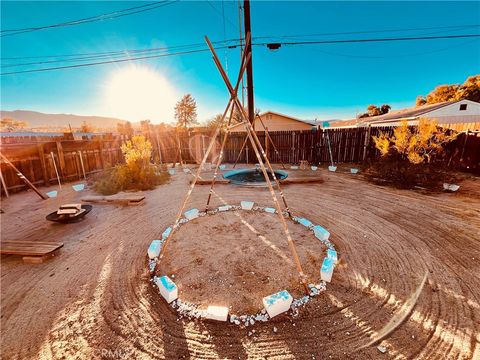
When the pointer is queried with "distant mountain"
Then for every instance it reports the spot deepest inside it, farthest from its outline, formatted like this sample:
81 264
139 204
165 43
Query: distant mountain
38 120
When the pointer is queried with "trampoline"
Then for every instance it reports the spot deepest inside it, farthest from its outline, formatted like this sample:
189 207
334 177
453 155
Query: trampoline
252 177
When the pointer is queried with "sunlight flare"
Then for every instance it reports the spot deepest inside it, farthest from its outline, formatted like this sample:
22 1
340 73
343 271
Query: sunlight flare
139 93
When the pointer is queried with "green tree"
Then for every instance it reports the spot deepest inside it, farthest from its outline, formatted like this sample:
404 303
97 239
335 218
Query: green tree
186 112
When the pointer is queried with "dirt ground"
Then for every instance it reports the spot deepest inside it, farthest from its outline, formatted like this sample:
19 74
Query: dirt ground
95 300
236 258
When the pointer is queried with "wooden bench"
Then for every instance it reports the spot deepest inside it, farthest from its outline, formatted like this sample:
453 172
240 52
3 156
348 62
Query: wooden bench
33 252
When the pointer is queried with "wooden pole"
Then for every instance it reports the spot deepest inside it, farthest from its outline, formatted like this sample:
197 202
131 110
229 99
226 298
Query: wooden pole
56 170
3 184
158 146
219 161
197 174
23 178
81 163
248 51
242 111
256 145
190 190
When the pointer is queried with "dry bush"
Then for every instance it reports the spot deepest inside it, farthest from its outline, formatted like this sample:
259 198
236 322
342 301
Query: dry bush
135 174
412 156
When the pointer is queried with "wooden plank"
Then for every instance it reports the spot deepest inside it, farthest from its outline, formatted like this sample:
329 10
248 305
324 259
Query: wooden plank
61 159
115 199
32 249
43 164
209 181
305 180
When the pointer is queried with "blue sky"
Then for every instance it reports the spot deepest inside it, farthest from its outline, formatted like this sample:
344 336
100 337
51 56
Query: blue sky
309 81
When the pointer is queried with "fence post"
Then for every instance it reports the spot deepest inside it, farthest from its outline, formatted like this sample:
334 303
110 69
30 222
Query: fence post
100 150
366 142
43 164
61 159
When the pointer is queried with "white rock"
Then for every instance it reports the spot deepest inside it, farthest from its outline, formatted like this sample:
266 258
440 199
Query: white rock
321 233
294 167
52 194
450 187
167 288
332 254
305 222
314 168
326 271
219 313
332 168
224 208
191 214
166 232
154 249
247 205
382 349
171 171
78 187
354 170
277 303
270 210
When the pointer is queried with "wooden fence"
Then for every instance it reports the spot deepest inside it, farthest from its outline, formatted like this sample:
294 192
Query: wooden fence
354 145
35 160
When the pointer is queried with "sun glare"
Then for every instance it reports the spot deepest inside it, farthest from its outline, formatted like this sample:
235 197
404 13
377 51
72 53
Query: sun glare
138 93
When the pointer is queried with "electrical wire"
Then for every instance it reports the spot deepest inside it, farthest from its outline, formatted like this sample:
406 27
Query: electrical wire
241 40
369 40
108 62
101 17
255 44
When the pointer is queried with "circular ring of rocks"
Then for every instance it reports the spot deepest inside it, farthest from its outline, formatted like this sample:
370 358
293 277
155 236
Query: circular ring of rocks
192 311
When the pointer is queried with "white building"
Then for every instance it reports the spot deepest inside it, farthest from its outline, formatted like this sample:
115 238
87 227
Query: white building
460 115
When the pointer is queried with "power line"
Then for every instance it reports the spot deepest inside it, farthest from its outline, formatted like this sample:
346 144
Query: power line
233 40
368 40
108 62
101 17
257 44
115 54
458 27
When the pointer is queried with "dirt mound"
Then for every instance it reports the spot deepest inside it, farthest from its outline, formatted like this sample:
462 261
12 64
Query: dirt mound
236 258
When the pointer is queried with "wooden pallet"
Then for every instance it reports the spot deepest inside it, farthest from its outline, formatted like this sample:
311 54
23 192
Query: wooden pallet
209 181
304 180
32 252
115 199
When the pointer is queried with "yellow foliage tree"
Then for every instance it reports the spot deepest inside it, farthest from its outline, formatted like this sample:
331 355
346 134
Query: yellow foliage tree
418 145
137 151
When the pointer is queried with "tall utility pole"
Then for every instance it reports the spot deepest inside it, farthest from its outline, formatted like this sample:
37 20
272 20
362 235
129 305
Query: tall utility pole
251 105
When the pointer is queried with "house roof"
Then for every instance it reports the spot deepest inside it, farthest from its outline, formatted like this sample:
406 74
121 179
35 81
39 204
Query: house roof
411 112
309 122
408 112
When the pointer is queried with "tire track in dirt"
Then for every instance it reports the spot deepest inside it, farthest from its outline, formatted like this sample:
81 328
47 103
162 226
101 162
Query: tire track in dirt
386 239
